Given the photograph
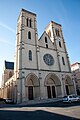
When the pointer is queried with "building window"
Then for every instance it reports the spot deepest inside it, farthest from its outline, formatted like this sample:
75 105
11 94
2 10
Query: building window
27 22
45 39
46 42
46 45
57 32
29 35
10 74
30 55
60 44
63 61
30 22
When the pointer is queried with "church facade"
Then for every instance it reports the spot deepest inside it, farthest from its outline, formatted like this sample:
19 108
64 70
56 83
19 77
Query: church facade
41 68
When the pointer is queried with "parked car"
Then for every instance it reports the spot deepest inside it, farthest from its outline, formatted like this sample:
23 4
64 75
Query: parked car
71 98
9 101
2 101
79 98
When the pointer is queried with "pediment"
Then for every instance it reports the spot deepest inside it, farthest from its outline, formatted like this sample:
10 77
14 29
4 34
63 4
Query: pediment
42 42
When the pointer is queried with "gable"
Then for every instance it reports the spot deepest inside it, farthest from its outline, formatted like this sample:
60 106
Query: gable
45 40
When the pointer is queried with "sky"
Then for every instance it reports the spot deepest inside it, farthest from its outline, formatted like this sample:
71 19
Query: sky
64 12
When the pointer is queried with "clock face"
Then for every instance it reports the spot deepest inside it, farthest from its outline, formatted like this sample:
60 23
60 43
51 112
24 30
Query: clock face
48 59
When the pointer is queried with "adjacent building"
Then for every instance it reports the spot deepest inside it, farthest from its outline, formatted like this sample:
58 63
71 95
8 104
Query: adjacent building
76 74
41 68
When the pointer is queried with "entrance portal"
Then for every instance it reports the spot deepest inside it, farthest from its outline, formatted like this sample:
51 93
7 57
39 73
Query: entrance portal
53 85
69 85
32 84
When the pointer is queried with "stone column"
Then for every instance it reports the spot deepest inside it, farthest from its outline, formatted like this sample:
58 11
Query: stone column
74 82
19 85
63 86
23 90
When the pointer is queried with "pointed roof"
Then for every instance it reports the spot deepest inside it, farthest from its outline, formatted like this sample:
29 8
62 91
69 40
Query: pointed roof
43 34
9 65
24 10
75 64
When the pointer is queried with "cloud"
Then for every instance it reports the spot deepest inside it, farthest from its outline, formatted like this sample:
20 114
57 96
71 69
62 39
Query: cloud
6 42
7 27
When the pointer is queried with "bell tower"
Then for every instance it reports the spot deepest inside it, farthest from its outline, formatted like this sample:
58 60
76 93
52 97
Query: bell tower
26 43
54 31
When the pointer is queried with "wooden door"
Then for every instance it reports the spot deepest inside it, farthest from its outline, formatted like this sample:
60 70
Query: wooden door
30 92
53 92
49 91
67 90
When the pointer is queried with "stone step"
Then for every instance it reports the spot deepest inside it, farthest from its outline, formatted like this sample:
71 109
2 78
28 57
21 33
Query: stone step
41 101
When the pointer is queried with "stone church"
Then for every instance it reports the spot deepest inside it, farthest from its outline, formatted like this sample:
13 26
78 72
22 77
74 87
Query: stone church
41 68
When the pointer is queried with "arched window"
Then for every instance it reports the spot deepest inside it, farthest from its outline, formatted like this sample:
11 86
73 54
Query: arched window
30 22
45 39
10 74
57 33
60 44
46 45
29 35
27 22
63 61
30 55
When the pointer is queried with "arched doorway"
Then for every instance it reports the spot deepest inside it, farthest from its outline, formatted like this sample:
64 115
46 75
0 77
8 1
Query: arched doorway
69 86
78 86
51 92
32 84
53 86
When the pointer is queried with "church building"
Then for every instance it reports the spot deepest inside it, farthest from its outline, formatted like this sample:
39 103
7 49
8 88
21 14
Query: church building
41 68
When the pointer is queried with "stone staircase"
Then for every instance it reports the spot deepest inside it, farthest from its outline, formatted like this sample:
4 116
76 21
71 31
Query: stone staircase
41 101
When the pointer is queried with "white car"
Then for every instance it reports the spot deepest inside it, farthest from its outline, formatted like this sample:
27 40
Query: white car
71 98
8 101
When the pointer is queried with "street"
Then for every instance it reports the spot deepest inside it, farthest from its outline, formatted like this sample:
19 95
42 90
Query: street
48 111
